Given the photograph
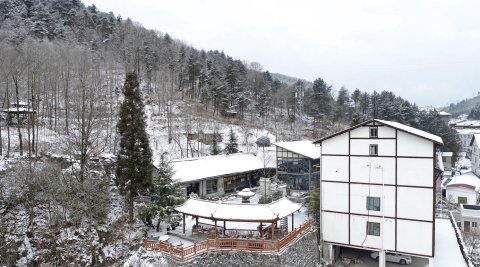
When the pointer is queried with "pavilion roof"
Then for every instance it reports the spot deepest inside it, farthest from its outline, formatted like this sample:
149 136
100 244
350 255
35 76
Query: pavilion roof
240 212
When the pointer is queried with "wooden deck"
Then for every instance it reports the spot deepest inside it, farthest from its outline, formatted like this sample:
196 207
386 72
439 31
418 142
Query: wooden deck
252 245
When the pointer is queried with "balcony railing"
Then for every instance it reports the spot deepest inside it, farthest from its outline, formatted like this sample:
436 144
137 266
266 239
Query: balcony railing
253 245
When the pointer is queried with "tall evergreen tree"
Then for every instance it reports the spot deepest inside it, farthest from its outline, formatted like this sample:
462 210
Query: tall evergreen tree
134 159
168 192
232 144
215 148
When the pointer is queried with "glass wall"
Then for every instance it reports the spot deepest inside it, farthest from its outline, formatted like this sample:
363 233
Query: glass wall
297 171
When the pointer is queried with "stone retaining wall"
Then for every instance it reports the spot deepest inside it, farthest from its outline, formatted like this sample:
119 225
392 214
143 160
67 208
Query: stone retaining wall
303 252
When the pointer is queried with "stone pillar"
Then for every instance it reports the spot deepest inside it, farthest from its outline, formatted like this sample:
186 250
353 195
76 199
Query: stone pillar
381 258
220 186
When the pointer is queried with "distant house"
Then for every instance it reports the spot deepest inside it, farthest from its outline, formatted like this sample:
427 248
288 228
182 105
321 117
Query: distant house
378 188
214 176
19 113
298 164
470 218
463 189
445 116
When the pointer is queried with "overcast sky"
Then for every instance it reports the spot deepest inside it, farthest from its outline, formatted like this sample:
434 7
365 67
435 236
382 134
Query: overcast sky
427 52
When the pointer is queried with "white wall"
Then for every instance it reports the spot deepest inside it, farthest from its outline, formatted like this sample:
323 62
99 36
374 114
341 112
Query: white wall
413 146
417 172
358 199
414 237
415 203
335 196
364 132
336 145
386 147
337 168
359 237
452 194
335 227
373 170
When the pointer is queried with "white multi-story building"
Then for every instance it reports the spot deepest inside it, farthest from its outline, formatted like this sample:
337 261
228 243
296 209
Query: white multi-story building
475 153
378 188
465 136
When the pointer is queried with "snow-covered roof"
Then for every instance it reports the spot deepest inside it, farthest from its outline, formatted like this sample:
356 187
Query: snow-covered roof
239 211
467 131
443 113
475 137
468 123
395 125
447 154
420 133
191 169
467 180
427 109
302 147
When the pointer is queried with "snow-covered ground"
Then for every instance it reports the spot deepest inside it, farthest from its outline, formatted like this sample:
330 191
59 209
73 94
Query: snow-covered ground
447 250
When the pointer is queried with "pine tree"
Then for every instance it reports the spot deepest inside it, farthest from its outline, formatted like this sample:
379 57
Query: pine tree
232 144
134 159
215 148
168 192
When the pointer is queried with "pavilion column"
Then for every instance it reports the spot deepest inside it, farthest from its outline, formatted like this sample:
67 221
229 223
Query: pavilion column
273 229
196 221
224 226
184 223
215 229
261 230
293 224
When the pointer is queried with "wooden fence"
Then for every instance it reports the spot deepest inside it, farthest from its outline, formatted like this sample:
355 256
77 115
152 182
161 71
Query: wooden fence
252 245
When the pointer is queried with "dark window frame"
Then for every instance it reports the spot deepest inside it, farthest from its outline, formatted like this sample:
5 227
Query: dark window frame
373 132
375 150
373 203
373 228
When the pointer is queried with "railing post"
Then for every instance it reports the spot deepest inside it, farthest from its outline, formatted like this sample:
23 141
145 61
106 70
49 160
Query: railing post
195 248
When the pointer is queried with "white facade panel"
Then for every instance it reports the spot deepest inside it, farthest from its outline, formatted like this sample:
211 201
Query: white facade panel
415 203
337 169
335 227
413 146
360 132
386 147
336 145
360 192
359 237
415 171
373 170
453 193
335 196
414 237
364 132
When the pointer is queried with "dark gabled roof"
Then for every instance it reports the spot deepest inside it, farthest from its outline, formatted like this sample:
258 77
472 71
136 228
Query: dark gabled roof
396 125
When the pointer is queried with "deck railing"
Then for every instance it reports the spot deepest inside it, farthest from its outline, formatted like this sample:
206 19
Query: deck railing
254 245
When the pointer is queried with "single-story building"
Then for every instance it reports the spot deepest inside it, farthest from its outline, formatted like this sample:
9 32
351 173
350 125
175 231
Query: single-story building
298 164
470 218
216 175
463 189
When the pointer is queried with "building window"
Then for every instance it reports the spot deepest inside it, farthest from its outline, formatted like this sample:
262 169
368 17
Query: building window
462 200
373 228
373 132
474 224
374 150
212 186
373 203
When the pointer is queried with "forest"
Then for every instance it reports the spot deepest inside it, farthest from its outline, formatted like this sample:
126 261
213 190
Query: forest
65 64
